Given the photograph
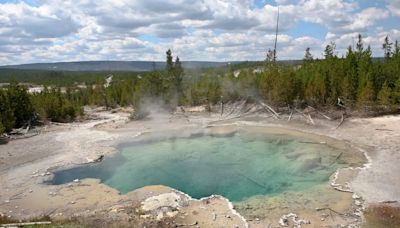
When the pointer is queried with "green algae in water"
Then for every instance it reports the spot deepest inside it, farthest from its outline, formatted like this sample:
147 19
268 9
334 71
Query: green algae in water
237 167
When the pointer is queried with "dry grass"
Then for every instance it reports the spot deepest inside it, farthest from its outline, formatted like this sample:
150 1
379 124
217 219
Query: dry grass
382 216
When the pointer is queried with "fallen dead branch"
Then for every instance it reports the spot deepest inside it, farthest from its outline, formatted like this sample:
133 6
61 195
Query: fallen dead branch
336 212
191 224
241 106
239 116
184 112
337 158
311 120
308 142
25 136
304 115
248 109
25 224
389 201
341 121
233 109
381 129
330 209
222 106
320 113
340 188
290 116
268 108
307 117
253 181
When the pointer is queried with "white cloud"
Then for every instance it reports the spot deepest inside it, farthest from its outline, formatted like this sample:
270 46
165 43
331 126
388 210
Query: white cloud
394 7
334 14
23 20
297 47
65 30
366 18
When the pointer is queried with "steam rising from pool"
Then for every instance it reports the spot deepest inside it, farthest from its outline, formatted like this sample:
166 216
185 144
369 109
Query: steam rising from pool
236 166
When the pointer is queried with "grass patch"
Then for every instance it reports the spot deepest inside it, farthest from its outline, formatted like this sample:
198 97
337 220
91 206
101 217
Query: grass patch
382 216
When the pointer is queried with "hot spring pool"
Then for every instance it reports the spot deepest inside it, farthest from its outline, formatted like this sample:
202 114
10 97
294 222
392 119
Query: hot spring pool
237 166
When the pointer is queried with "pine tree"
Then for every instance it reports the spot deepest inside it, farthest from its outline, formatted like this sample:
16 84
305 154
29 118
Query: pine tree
359 47
366 96
178 71
270 56
396 92
365 74
2 128
20 104
345 90
330 50
396 51
335 72
169 62
387 48
385 95
350 83
178 77
6 112
174 80
308 56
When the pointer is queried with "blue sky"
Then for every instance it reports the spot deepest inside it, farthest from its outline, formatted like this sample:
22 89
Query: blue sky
212 30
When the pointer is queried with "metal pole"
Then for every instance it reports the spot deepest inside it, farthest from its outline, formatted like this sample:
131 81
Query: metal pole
276 35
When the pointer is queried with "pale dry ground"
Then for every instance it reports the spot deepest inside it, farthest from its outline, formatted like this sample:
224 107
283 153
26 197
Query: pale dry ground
26 163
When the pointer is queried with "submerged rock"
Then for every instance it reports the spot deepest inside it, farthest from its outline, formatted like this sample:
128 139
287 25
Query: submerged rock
309 164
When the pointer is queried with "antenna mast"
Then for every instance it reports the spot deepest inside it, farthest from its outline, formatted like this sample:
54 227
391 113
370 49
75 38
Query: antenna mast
276 35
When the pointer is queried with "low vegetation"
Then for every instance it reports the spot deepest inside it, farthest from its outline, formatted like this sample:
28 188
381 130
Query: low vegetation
15 107
19 109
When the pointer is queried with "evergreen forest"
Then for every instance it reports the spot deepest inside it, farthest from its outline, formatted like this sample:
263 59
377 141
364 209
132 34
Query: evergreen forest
361 82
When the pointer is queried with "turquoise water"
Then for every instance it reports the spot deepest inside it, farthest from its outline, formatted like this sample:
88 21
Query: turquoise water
237 166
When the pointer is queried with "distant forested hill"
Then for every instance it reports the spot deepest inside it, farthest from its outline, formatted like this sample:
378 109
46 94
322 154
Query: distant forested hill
110 65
